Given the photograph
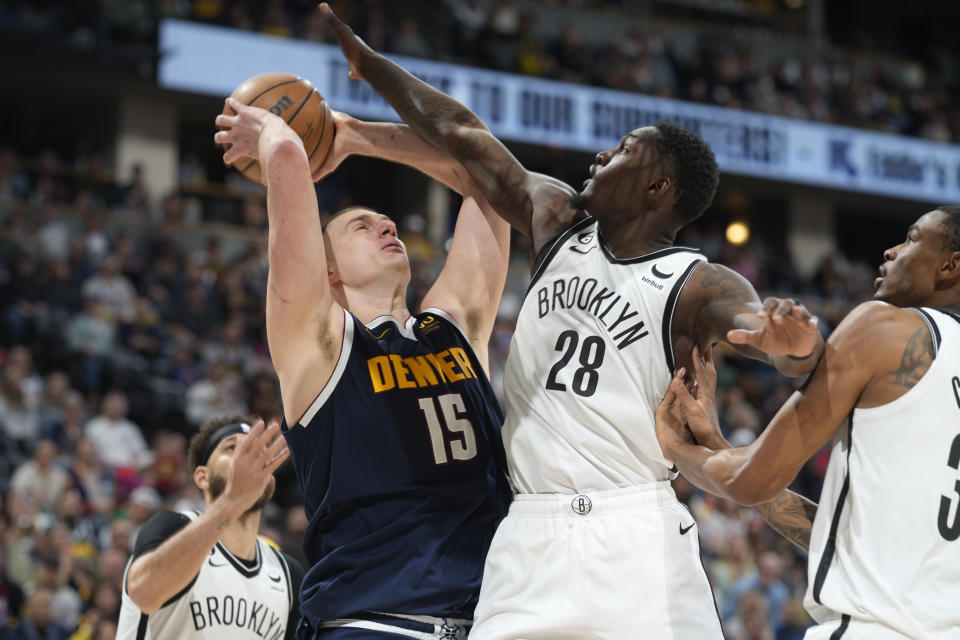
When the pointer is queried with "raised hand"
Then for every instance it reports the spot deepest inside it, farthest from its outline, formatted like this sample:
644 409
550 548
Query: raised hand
680 415
258 454
354 49
241 133
788 329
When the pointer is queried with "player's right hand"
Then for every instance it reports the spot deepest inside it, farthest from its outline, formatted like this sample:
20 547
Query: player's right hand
258 454
346 142
240 134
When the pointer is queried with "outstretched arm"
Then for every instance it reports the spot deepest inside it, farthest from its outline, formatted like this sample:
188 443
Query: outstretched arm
864 352
396 143
718 303
442 121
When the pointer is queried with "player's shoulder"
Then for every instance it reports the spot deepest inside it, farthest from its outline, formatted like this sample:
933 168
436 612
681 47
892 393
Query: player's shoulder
878 329
882 318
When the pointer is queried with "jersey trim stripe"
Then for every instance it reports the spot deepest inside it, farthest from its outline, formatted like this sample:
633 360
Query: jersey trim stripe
286 572
142 627
449 318
842 629
653 255
932 326
549 250
667 330
830 548
239 566
328 388
952 315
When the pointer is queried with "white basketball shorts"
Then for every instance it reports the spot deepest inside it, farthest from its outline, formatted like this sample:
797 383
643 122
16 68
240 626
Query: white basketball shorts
611 565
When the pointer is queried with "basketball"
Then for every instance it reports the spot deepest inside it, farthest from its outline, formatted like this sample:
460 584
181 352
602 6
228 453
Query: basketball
300 105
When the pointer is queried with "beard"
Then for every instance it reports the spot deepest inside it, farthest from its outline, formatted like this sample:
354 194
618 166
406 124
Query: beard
218 484
578 201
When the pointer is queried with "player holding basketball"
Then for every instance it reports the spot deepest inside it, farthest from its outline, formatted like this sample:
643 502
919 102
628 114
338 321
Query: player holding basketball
208 575
885 551
393 427
596 544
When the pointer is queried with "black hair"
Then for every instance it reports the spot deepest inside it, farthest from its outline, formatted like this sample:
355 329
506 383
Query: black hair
951 225
199 440
695 170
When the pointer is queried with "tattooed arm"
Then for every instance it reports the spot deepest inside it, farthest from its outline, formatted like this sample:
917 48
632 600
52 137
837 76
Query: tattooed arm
533 203
718 303
791 516
875 356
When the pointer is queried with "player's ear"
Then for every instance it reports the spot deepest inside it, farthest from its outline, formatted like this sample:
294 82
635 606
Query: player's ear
201 478
950 271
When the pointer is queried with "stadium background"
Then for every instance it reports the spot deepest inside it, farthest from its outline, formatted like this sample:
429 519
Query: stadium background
132 264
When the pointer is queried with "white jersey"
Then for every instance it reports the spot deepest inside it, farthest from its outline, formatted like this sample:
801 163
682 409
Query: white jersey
885 546
227 600
590 360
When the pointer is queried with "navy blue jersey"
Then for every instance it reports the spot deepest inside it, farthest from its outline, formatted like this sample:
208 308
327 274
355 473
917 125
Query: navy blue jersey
402 471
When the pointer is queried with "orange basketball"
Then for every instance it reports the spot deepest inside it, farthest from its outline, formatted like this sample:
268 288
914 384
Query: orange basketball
296 101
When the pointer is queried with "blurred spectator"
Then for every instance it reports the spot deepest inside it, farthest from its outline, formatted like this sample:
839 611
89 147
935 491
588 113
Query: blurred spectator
11 595
90 338
409 41
39 481
36 622
219 393
117 440
751 621
112 289
766 583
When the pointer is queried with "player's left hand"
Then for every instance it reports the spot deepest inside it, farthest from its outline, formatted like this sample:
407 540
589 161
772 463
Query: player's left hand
241 133
353 47
788 328
670 420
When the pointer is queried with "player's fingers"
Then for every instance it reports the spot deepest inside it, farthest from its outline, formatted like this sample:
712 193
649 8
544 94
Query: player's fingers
744 336
784 309
769 304
225 121
231 155
709 366
338 26
278 460
221 137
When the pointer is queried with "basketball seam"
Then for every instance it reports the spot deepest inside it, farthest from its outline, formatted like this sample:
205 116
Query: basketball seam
268 90
297 112
323 126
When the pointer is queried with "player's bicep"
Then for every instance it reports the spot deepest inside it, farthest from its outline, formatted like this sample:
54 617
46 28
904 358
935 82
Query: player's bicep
471 282
720 299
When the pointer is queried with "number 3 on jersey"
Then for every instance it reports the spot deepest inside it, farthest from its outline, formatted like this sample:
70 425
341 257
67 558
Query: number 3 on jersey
585 378
463 444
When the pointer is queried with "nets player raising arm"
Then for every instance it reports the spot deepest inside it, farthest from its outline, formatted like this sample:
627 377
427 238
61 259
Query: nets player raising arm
641 192
173 581
884 554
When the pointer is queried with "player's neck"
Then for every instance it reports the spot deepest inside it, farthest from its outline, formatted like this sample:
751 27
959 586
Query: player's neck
635 238
368 305
240 538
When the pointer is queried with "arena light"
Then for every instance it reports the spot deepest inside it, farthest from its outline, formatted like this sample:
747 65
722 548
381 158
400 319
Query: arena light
738 233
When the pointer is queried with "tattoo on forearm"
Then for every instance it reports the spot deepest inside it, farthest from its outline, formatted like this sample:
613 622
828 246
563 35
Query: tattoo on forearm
916 359
791 516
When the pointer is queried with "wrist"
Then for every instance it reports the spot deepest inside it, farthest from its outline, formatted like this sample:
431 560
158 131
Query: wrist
816 350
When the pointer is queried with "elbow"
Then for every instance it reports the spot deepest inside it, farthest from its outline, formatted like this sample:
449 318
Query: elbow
140 590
